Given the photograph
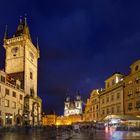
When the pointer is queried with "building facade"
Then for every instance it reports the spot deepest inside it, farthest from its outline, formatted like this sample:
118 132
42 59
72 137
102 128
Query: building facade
92 107
21 63
132 90
111 98
73 107
11 102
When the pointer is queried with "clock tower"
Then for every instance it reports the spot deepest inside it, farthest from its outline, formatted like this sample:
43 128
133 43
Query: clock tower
21 63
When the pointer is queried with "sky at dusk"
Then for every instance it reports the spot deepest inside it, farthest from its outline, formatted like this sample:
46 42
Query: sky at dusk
82 42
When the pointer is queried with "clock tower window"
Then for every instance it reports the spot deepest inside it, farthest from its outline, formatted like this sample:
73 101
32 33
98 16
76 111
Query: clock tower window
31 75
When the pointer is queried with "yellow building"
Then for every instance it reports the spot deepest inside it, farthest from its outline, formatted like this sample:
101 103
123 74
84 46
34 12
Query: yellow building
111 98
52 119
21 63
132 90
92 107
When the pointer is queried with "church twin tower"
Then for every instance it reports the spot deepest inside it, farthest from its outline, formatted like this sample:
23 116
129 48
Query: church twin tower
21 63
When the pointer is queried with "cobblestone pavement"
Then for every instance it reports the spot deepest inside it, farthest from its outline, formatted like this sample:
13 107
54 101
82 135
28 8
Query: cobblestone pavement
69 135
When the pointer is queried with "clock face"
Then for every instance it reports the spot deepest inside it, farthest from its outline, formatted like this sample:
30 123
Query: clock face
14 50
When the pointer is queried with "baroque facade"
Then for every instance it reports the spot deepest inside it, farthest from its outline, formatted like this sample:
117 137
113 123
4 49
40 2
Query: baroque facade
73 107
21 64
121 96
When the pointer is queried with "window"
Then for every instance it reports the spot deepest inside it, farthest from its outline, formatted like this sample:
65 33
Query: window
129 106
118 108
112 109
137 91
107 99
77 105
138 79
118 95
130 93
136 68
107 111
2 79
32 92
7 92
138 104
6 103
20 96
96 106
113 82
112 97
130 82
108 85
102 101
14 94
13 105
103 112
31 75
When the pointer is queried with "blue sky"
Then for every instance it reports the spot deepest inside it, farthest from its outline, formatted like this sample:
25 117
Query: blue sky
82 42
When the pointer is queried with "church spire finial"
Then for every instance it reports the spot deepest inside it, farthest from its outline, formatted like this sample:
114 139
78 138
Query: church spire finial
20 19
5 33
25 19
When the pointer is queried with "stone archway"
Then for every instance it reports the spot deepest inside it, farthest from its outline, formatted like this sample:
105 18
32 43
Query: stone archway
18 120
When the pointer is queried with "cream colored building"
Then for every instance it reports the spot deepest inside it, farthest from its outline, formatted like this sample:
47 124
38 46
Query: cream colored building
11 101
92 107
132 90
111 98
21 63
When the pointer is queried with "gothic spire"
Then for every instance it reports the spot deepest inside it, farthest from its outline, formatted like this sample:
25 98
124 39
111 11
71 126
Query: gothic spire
23 28
6 33
37 46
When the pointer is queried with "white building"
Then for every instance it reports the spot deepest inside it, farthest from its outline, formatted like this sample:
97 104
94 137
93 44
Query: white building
73 107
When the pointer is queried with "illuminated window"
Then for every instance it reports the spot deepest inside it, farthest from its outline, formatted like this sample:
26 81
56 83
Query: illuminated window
8 118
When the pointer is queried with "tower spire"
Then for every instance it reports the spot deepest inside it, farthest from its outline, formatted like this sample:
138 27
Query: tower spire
20 20
37 46
5 33
25 19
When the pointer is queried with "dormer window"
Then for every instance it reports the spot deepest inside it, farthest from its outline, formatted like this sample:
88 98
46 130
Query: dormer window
136 68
